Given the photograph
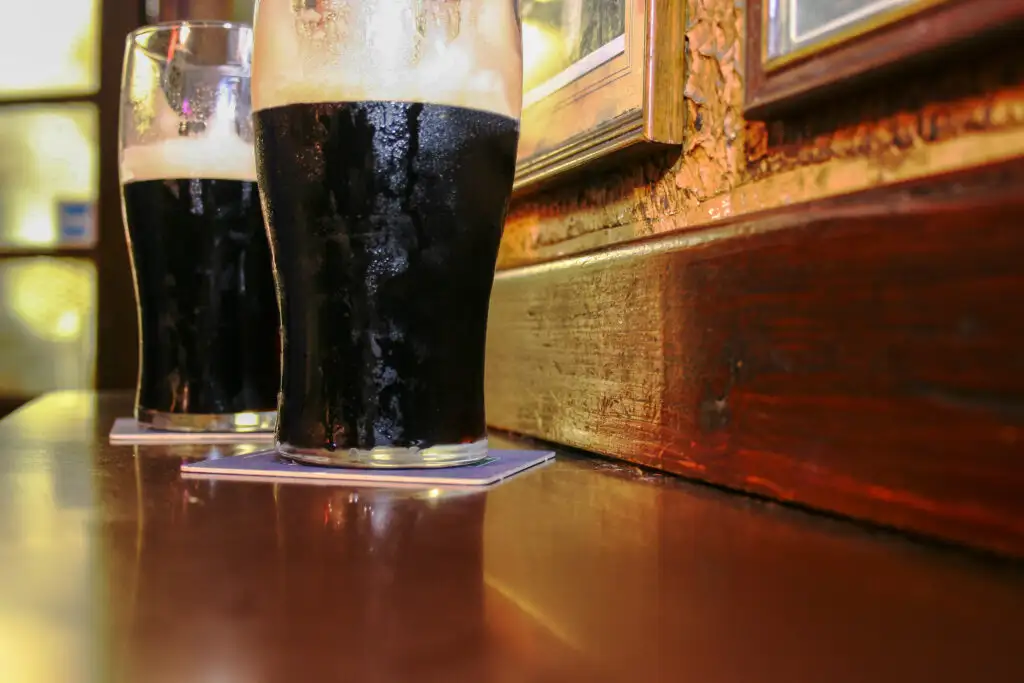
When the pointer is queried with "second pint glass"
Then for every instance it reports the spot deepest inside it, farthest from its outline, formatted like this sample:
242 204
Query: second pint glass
386 134
200 258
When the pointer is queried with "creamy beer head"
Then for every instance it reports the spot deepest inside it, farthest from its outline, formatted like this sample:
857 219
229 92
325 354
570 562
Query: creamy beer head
462 53
213 158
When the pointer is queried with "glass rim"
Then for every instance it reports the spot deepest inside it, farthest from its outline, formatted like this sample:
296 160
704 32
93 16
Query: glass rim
164 26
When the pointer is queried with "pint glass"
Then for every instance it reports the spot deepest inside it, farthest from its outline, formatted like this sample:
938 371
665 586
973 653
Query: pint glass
208 323
386 134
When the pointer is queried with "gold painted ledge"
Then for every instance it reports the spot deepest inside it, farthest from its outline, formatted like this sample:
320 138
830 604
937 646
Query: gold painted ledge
538 237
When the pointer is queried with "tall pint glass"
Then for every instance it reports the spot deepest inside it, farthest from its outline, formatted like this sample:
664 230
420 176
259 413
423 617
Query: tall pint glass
208 323
386 134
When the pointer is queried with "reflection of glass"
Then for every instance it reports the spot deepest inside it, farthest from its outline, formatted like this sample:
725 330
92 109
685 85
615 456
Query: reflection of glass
573 519
397 580
47 325
566 35
50 557
48 155
203 280
386 140
51 48
347 583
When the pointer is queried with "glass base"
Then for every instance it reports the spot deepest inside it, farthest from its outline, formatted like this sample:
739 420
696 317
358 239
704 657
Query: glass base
390 457
265 421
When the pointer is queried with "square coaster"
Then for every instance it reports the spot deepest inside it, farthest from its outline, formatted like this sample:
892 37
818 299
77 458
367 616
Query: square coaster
268 465
127 431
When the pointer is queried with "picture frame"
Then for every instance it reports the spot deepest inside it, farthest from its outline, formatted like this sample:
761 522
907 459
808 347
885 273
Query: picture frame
845 41
624 96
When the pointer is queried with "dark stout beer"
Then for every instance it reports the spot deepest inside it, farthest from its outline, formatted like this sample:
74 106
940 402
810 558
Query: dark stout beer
207 307
384 219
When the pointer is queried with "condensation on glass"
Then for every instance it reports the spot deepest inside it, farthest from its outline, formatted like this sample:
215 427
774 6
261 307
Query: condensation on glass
386 134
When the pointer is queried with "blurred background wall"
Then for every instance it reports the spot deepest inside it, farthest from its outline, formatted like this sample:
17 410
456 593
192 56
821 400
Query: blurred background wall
67 313
169 10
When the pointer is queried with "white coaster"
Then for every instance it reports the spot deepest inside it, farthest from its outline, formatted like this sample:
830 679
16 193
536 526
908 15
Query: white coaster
267 465
127 431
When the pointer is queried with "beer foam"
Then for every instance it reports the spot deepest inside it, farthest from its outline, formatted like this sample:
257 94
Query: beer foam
464 53
215 158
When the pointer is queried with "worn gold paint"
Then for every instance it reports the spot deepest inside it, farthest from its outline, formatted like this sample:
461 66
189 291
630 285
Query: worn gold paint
729 167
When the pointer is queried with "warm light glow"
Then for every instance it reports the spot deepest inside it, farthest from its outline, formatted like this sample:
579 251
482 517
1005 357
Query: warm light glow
48 155
49 296
247 420
75 410
541 54
27 649
68 325
49 47
45 586
33 222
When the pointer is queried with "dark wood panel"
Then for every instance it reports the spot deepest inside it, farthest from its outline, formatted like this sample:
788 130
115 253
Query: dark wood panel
45 99
173 10
860 355
977 24
117 335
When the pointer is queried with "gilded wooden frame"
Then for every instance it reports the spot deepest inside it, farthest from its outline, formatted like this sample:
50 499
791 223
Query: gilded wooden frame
872 47
630 102
851 31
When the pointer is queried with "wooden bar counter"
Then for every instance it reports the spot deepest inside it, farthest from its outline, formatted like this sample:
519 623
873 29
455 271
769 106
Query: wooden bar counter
115 569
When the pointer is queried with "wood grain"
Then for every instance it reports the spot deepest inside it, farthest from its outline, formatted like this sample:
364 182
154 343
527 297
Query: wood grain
117 570
918 35
860 355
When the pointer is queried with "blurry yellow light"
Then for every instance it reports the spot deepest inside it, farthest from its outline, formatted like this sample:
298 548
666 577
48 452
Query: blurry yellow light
34 222
142 82
50 297
68 325
50 47
540 49
27 647
57 137
47 156
247 420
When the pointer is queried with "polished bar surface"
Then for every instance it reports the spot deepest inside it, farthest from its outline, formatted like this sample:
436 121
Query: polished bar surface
113 569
